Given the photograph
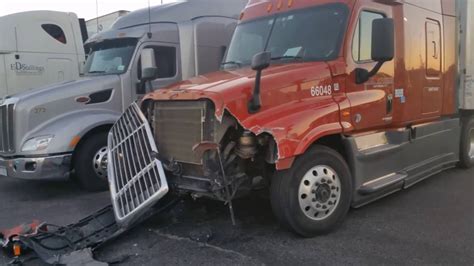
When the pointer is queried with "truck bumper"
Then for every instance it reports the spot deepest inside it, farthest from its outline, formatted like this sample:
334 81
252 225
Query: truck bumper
38 168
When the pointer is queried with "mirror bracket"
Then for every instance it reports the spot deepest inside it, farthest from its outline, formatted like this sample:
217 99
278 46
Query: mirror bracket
362 75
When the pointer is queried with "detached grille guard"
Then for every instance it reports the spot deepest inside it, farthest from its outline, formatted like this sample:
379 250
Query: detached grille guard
136 178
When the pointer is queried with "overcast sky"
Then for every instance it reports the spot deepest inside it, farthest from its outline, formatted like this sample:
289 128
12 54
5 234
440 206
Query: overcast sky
83 8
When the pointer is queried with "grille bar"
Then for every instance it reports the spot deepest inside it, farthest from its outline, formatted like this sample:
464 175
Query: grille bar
6 128
137 179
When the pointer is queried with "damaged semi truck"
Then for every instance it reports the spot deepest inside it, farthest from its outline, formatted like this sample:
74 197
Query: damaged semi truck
49 132
329 103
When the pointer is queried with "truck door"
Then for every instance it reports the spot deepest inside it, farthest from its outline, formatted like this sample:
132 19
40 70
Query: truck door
166 58
371 102
432 91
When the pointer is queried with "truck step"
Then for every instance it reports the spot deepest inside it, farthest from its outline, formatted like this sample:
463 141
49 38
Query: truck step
394 179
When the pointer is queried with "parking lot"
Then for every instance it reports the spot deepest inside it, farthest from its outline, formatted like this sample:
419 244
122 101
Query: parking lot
431 223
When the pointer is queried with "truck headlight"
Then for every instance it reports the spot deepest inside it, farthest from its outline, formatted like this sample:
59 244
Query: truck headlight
37 144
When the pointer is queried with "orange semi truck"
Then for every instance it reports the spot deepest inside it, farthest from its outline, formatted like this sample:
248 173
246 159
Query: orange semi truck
328 103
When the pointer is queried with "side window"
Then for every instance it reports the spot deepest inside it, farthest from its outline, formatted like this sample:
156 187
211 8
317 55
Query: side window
55 31
362 42
165 58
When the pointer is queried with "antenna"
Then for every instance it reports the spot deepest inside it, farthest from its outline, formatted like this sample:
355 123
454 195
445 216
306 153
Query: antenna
149 21
97 14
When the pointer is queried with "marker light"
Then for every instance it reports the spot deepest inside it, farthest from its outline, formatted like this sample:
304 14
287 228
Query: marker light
280 3
269 7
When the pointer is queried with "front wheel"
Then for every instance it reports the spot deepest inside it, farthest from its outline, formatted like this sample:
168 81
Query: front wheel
467 144
314 196
90 163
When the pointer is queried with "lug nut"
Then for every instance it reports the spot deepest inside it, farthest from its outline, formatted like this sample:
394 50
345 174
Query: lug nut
324 207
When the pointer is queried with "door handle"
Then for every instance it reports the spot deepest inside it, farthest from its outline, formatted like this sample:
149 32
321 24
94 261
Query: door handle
435 50
389 103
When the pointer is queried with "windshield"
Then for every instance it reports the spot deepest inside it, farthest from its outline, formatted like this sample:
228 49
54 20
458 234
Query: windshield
312 34
110 56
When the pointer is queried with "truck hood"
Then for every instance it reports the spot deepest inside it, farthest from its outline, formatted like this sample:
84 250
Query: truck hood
63 90
231 90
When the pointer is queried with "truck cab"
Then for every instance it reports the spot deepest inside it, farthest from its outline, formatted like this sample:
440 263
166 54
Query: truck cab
328 103
39 48
53 131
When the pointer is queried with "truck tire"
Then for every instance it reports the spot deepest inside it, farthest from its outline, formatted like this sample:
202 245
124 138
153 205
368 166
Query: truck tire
466 159
89 163
314 195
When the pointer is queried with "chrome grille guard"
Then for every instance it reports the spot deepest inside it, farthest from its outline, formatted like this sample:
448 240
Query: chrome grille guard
136 178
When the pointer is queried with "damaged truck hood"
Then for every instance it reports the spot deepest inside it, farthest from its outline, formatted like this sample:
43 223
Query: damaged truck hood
290 109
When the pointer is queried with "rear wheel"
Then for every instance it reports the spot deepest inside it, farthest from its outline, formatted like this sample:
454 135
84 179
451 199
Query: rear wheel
313 197
467 144
90 163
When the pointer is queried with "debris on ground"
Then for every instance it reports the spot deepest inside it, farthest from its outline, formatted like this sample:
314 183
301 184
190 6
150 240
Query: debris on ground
10 238
80 257
202 235
69 245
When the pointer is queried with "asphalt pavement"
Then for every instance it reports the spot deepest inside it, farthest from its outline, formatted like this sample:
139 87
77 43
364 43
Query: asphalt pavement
430 223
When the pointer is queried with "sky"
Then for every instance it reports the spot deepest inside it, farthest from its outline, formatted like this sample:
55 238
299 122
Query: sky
83 8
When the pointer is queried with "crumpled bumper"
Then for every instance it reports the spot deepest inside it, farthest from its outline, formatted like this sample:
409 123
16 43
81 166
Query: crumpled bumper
38 168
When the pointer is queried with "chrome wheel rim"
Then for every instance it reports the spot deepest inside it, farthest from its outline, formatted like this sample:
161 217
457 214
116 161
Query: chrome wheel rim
319 193
471 150
99 163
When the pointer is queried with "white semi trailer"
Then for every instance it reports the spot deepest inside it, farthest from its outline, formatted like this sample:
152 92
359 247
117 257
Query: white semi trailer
38 48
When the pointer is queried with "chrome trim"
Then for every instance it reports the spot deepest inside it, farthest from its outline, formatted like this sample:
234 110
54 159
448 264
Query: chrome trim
50 167
136 178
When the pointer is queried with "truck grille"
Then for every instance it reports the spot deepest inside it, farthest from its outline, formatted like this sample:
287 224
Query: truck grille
6 128
179 125
136 177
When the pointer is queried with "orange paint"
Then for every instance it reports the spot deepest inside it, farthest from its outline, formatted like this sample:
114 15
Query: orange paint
74 141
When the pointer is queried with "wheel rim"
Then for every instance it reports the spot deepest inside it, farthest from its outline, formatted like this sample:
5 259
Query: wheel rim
319 192
471 150
99 163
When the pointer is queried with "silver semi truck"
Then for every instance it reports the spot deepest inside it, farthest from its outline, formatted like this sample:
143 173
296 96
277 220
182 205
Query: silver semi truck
54 131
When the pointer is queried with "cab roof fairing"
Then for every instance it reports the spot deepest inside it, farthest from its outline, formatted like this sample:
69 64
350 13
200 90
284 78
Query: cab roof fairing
261 8
136 23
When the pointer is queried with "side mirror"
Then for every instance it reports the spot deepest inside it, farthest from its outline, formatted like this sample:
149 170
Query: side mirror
148 65
383 47
261 61
383 39
149 74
